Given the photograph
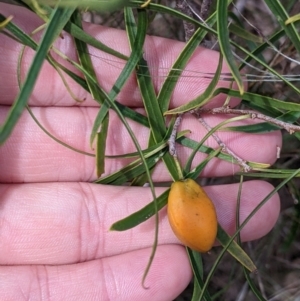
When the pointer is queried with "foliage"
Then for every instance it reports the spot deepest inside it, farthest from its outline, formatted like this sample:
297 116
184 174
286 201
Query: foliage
258 65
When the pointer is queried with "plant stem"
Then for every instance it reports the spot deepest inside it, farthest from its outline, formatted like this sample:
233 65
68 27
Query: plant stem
224 147
291 128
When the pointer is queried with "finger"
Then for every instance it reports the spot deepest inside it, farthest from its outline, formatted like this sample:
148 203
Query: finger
29 155
114 278
63 223
160 54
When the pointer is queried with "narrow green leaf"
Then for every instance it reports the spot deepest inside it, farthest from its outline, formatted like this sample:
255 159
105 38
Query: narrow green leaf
101 146
239 241
152 149
176 70
258 128
131 171
156 120
259 50
282 16
57 21
269 174
223 35
126 111
150 109
268 101
136 54
19 34
53 137
203 98
196 291
151 105
195 173
235 250
253 287
154 114
265 65
96 93
4 22
245 34
142 215
262 107
207 150
292 19
197 266
83 36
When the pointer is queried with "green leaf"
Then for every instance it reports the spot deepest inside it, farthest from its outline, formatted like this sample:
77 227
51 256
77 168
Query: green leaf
156 119
58 19
270 173
235 250
196 264
101 146
292 19
96 93
282 16
223 35
130 171
54 138
207 150
245 34
255 53
255 57
142 215
176 70
19 34
83 36
194 174
203 98
268 101
253 287
136 54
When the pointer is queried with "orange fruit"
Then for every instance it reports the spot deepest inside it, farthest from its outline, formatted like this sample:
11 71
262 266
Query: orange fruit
192 215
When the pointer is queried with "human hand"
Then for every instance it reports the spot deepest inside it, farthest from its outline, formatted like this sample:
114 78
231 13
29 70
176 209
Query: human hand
54 238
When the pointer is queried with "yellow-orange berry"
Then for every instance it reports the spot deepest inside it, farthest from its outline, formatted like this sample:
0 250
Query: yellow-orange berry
192 215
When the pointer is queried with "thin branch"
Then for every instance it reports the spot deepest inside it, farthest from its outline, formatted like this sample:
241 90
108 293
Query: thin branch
172 139
291 128
224 147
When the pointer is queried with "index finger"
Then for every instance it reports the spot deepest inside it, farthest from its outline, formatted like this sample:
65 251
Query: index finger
160 54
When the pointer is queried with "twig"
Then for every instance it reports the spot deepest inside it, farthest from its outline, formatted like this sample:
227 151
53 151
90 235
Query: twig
172 139
224 147
291 128
189 30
